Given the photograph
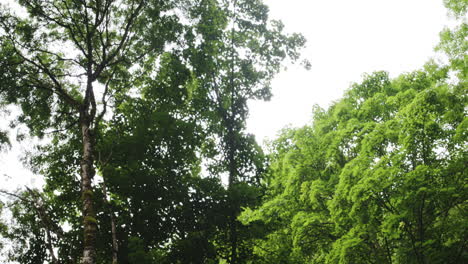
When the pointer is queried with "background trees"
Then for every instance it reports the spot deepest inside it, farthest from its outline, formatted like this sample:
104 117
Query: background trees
141 93
377 177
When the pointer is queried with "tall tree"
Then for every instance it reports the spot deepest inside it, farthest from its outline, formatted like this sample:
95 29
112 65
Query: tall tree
64 60
240 53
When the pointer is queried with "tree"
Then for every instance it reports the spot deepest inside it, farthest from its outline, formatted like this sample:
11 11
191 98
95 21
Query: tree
453 41
238 58
61 53
378 176
80 70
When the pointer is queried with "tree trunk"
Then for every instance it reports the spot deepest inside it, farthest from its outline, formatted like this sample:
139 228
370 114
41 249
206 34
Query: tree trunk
233 227
87 174
115 243
232 180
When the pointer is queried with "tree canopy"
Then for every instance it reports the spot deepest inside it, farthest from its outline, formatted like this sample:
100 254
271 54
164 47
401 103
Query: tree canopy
133 97
379 176
141 106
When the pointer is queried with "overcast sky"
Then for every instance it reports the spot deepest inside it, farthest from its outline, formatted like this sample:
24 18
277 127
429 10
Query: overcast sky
345 39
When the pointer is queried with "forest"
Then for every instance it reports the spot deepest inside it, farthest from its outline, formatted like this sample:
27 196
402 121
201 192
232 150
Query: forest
137 113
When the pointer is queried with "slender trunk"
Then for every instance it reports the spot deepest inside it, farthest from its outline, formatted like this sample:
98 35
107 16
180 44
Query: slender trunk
232 147
43 216
50 247
232 180
387 248
115 245
87 174
421 228
233 231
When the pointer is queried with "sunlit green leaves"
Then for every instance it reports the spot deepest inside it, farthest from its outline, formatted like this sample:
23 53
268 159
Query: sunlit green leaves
370 179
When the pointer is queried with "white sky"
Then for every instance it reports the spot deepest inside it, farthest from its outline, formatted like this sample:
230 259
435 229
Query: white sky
345 39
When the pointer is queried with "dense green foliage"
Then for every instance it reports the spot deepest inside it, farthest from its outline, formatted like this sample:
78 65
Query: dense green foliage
378 177
143 104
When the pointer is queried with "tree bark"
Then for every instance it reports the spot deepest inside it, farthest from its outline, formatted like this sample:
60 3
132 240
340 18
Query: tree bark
115 245
87 174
